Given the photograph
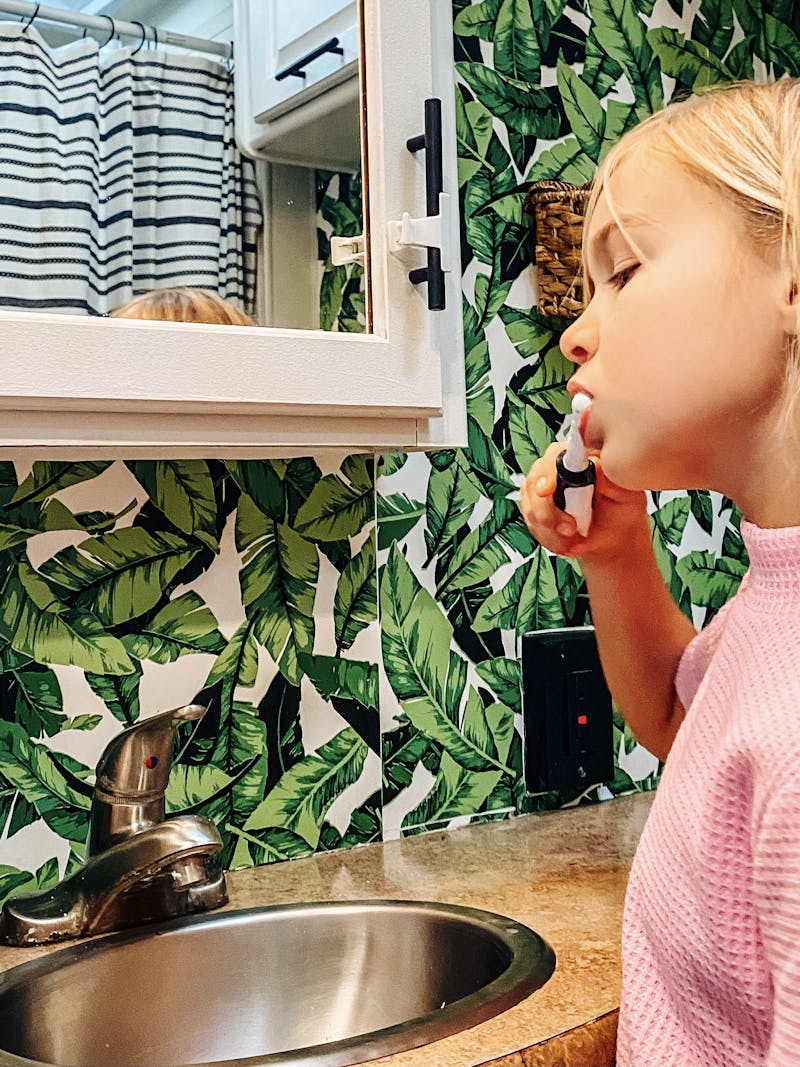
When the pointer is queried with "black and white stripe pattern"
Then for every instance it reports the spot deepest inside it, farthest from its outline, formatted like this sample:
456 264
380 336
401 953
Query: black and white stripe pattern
119 173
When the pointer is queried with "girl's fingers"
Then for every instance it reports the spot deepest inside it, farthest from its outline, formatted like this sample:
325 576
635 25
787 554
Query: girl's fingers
542 475
615 510
554 529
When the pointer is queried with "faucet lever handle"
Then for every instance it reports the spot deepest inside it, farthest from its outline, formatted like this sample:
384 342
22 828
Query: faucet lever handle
132 776
136 762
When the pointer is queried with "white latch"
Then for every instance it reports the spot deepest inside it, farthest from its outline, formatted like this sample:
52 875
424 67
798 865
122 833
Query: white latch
347 250
431 231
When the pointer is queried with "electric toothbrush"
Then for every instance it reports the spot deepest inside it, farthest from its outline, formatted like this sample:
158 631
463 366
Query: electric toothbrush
575 473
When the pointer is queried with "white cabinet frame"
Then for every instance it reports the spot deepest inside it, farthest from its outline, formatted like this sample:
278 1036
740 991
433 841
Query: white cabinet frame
87 387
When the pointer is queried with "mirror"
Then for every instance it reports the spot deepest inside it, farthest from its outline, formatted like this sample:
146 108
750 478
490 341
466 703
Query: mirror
121 174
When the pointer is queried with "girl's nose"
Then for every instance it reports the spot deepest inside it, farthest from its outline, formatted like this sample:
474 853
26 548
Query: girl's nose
579 340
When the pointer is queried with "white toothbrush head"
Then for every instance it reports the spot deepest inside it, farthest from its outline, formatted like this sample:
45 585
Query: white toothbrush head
580 402
575 458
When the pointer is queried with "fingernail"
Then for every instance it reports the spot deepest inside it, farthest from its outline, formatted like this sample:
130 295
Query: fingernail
565 529
541 484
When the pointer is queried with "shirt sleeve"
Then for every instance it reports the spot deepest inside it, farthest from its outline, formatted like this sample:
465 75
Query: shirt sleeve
776 894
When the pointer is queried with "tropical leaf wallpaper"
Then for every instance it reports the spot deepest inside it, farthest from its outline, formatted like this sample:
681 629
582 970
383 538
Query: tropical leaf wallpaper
353 627
340 213
132 587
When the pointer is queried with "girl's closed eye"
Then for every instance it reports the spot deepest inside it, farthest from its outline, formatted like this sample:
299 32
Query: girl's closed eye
620 278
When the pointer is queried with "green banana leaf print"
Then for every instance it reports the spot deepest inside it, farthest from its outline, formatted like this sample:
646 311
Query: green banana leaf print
342 304
216 572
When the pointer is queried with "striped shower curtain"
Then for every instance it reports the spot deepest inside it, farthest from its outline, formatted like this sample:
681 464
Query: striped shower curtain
118 174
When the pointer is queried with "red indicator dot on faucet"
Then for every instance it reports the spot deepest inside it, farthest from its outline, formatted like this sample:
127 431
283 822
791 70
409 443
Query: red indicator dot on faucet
150 762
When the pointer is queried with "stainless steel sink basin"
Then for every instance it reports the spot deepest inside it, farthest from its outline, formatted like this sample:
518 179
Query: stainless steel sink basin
323 984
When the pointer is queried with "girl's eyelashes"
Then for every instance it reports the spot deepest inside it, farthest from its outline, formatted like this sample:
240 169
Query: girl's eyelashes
619 279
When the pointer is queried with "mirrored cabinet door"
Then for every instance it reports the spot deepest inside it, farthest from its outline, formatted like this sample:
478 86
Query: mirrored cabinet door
307 181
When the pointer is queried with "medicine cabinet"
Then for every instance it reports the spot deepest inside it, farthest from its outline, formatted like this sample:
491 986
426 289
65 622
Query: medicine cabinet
77 387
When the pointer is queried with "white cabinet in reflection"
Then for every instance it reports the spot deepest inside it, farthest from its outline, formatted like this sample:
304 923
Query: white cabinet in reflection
298 80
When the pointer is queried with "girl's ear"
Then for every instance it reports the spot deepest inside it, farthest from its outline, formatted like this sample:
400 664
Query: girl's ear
791 308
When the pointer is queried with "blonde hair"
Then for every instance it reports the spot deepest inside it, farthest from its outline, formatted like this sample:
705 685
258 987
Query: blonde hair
182 303
742 139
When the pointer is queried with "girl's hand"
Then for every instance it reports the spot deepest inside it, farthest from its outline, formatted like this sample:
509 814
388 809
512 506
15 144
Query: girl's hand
617 513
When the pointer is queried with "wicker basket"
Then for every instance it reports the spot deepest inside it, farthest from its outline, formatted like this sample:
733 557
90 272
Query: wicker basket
558 209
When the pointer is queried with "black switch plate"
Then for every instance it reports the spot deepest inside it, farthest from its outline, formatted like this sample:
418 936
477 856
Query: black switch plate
566 711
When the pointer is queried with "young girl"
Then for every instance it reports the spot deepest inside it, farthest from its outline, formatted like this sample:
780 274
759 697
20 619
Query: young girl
688 350
181 303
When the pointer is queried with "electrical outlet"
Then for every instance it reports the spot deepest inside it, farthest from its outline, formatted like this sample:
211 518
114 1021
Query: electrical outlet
566 711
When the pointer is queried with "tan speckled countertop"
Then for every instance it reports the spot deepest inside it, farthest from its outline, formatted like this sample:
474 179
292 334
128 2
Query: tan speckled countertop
563 874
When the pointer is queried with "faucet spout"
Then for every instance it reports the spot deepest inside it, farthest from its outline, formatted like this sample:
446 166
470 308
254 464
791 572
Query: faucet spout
165 871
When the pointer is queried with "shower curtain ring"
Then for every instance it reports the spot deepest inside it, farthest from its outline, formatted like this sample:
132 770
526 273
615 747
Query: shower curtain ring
31 19
144 36
112 30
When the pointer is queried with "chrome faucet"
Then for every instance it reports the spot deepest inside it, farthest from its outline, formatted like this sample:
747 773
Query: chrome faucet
140 866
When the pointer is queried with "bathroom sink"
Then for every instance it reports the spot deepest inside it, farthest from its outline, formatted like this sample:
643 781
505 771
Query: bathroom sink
306 984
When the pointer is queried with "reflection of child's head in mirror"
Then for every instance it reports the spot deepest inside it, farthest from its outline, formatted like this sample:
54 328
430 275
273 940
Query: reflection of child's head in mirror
181 303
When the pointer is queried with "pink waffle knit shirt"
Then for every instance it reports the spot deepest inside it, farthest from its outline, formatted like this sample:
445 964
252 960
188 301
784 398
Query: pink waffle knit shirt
711 935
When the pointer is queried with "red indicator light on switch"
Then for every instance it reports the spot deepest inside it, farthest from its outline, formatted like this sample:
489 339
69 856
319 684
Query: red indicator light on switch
582 720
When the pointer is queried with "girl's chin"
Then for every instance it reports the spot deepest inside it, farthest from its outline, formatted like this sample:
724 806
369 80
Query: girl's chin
617 467
635 474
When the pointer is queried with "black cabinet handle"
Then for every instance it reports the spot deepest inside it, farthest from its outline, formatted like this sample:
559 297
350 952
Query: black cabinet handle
296 69
431 141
